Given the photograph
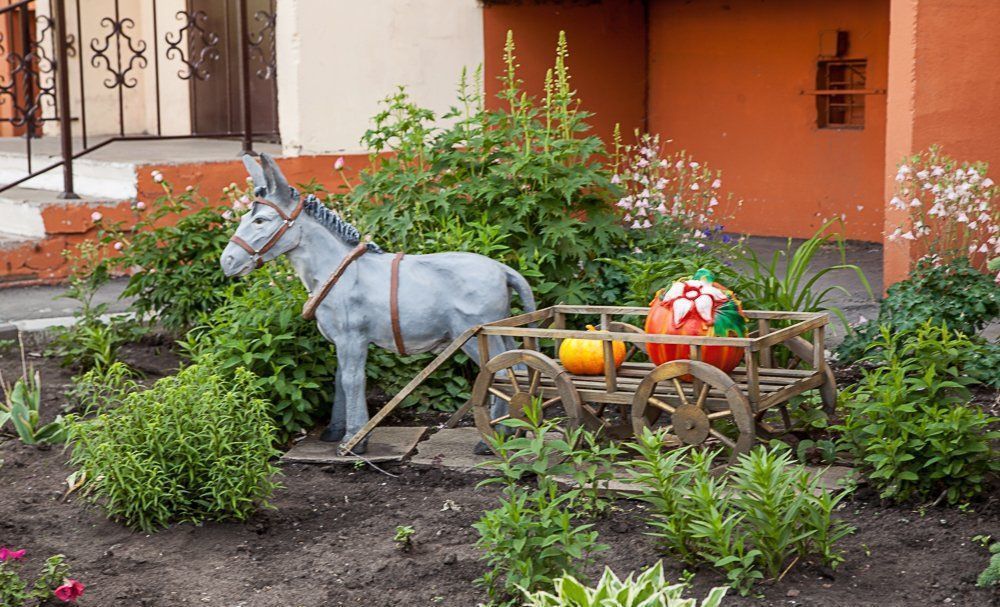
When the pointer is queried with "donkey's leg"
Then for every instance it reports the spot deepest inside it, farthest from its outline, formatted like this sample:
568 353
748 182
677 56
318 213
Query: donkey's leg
352 353
338 420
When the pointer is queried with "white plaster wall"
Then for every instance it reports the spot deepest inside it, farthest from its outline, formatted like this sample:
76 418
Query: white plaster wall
338 58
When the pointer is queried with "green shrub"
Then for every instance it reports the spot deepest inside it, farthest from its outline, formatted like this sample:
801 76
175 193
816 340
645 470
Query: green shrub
954 293
648 589
522 183
259 327
97 389
21 408
766 515
534 535
991 575
172 253
194 447
771 287
908 422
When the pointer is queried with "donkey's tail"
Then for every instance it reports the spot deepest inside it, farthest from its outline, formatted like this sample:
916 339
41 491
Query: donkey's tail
520 286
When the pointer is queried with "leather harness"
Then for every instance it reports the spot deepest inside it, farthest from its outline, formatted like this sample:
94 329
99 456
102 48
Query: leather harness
309 309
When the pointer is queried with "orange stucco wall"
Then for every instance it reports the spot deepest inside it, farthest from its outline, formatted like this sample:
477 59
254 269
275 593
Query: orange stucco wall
726 78
607 46
944 90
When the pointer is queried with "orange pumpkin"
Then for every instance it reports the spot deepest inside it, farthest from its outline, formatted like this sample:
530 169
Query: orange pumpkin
698 306
586 356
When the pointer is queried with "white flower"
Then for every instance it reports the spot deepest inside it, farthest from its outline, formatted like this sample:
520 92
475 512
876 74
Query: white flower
694 186
646 224
915 202
987 182
627 218
713 202
157 176
717 184
937 171
96 216
615 179
635 225
908 236
923 174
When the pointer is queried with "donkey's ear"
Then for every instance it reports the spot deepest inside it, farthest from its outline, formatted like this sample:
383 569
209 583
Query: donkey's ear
255 172
276 183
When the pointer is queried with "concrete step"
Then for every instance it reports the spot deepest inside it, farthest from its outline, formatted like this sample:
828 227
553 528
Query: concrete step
36 213
91 177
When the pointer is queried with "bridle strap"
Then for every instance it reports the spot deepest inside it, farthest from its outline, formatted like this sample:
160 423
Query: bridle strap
309 309
397 333
288 221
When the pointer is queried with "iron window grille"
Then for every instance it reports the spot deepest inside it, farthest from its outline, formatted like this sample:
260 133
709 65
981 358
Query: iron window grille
840 98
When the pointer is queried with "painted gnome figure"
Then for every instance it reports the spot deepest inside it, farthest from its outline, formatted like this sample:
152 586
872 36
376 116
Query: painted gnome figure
696 306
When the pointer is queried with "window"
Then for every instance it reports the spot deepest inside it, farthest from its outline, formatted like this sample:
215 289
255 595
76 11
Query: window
841 110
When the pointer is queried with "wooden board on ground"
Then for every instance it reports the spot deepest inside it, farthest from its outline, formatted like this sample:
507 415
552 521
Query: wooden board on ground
387 444
451 448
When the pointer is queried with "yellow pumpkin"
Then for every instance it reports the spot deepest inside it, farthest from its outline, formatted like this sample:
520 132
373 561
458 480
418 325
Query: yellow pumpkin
586 356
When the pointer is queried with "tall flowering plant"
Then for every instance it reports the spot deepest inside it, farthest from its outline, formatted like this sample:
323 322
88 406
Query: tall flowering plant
952 209
671 192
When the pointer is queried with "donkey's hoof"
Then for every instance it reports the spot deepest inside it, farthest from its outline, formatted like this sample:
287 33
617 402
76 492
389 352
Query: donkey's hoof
332 434
482 448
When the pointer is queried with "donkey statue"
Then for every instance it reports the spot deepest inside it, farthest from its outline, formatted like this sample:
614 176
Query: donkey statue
359 295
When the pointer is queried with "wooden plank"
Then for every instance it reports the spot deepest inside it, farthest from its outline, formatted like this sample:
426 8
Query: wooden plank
558 324
612 310
387 444
410 387
753 378
777 315
523 319
783 395
819 353
787 333
765 353
560 334
459 414
610 375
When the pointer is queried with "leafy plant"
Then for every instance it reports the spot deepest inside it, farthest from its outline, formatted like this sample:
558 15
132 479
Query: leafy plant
991 575
404 537
52 582
172 252
771 287
259 328
194 447
954 293
444 390
100 389
649 589
534 535
768 514
522 183
21 408
909 423
91 341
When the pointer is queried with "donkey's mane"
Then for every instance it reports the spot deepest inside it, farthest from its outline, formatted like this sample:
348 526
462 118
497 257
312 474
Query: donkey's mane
337 226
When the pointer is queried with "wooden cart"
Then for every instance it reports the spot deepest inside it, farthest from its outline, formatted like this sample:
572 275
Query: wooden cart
711 408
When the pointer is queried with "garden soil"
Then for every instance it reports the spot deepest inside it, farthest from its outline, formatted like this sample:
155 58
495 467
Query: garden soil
328 539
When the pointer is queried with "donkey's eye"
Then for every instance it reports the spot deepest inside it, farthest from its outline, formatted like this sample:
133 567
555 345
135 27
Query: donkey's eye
259 220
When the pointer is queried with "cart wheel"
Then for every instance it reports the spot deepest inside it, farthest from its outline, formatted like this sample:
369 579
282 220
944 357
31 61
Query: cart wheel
518 389
623 327
694 417
802 350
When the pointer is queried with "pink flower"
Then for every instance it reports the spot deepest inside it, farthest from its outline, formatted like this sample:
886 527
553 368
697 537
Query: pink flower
157 176
140 205
227 214
119 246
338 164
615 179
96 216
69 591
7 554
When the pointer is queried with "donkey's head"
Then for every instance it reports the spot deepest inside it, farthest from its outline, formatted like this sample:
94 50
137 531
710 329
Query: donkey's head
268 229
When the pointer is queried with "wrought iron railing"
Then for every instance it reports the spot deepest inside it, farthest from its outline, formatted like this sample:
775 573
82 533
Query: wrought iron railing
35 83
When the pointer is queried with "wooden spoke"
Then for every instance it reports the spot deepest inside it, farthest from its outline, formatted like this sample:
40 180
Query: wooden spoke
700 403
722 438
680 391
513 380
659 404
498 393
499 419
535 376
550 402
720 414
